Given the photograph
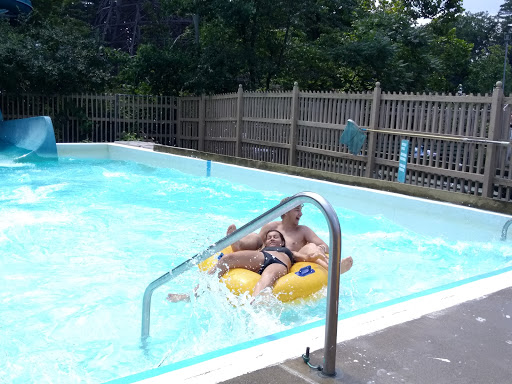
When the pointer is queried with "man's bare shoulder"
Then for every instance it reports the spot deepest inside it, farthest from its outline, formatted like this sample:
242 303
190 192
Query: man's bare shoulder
309 235
304 229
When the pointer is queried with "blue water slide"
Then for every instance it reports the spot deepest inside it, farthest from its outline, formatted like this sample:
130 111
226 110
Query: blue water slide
15 7
29 138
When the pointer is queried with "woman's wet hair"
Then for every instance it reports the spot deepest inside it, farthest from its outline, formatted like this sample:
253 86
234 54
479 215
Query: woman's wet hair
280 234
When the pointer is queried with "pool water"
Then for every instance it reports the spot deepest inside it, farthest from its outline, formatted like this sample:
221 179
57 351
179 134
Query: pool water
81 239
10 155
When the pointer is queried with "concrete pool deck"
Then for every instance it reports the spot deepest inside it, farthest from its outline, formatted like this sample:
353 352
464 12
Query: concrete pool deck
468 343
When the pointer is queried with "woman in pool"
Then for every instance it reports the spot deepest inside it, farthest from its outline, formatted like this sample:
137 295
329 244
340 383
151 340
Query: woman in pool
271 262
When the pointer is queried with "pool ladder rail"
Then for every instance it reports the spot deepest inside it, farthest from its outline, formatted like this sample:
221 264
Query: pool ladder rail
505 229
333 279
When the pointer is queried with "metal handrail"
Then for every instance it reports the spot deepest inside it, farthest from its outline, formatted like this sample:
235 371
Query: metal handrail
333 280
505 229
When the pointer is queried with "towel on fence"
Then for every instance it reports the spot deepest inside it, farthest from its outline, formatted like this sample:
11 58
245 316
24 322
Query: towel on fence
353 137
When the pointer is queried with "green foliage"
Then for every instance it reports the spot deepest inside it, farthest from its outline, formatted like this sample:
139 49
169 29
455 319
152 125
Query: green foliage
505 12
428 9
341 45
155 71
310 66
479 29
62 119
345 45
129 136
258 42
385 46
47 54
451 63
487 70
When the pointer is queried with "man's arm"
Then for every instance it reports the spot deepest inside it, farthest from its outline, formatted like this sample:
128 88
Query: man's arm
318 258
311 237
267 227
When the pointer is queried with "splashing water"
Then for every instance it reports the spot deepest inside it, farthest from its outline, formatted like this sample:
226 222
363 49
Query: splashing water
81 239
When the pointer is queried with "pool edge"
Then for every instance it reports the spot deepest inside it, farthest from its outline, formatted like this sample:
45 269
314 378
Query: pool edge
209 368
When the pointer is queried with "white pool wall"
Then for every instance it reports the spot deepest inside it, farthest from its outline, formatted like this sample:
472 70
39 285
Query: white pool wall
126 153
423 216
427 217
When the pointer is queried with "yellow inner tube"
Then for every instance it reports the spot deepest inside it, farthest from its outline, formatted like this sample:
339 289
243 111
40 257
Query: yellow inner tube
303 279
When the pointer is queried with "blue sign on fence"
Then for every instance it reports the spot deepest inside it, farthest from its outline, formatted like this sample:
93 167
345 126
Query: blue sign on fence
402 165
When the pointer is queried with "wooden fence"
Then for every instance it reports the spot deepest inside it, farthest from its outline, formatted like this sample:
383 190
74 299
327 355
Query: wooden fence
99 118
456 143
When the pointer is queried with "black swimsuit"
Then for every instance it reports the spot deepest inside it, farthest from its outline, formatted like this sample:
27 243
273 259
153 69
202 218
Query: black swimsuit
269 259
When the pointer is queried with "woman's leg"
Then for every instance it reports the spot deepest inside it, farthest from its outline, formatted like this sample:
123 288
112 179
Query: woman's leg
269 277
251 260
310 249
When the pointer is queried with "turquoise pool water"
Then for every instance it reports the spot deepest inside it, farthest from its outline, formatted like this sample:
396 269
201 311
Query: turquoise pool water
81 239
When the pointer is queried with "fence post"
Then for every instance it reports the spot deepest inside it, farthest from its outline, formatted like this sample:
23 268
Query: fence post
490 154
239 121
374 125
117 134
292 157
179 115
200 144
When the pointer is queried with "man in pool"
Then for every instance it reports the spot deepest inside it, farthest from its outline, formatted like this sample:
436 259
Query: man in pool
299 238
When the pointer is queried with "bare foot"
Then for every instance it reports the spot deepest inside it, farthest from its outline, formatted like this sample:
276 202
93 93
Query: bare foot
346 264
177 297
250 242
231 229
236 245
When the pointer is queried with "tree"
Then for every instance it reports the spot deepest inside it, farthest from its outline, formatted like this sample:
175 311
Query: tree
385 45
426 9
343 45
505 12
452 60
263 36
157 71
49 52
486 70
479 29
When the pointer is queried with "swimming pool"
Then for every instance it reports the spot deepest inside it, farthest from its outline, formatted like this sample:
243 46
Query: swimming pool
81 239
